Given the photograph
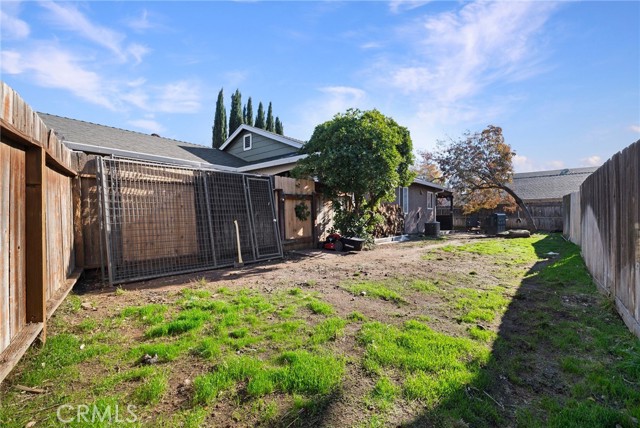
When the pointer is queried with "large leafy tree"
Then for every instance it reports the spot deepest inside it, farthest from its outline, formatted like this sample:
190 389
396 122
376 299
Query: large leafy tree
219 122
360 157
235 116
271 126
260 122
479 168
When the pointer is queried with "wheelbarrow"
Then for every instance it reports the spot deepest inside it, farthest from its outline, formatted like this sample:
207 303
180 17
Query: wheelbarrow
337 242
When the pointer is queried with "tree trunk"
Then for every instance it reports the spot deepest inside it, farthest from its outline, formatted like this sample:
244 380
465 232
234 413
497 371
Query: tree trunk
531 225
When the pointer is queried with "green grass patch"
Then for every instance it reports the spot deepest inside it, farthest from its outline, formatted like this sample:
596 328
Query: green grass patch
148 314
57 358
417 347
424 286
329 329
481 334
384 393
187 320
356 316
166 351
297 372
373 289
151 390
320 308
478 304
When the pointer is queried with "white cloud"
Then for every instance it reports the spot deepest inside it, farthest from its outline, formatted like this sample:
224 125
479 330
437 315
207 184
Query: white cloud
522 164
137 51
319 109
461 53
12 27
371 45
594 160
178 97
397 6
53 67
149 125
635 128
456 57
526 164
141 23
69 18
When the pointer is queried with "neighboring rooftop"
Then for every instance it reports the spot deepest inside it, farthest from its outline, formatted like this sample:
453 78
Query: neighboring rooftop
87 133
553 184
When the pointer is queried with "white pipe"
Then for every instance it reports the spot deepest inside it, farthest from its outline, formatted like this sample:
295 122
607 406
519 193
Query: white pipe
240 262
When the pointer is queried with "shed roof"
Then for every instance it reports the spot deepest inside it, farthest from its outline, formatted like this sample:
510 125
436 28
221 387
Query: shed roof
78 131
554 184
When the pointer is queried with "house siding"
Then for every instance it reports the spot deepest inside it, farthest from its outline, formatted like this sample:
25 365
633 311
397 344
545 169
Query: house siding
420 210
261 148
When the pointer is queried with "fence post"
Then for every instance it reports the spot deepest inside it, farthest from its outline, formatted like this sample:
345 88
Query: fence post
36 245
209 222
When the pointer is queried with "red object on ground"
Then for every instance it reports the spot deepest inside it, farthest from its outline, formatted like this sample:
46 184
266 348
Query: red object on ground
330 244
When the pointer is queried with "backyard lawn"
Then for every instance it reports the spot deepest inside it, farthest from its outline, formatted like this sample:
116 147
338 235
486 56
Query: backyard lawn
457 332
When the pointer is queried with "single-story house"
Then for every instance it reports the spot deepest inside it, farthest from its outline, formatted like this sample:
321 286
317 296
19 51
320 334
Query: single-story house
247 150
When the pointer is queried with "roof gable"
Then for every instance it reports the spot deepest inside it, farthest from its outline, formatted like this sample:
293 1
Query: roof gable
267 134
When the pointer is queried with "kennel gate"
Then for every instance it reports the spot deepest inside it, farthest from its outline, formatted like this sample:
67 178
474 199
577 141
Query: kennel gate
159 219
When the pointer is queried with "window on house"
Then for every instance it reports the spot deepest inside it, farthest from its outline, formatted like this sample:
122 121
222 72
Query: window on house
247 142
429 199
405 200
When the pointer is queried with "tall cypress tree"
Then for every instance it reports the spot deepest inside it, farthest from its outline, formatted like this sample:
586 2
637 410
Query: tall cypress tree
219 122
270 124
244 114
260 123
249 120
235 117
279 127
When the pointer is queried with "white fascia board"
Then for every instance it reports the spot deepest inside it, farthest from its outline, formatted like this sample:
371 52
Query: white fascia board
259 131
268 164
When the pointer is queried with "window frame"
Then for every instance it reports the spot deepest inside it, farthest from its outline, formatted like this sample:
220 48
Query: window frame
244 142
405 199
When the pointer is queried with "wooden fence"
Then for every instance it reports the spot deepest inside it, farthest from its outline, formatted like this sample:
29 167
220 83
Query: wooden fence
547 216
37 253
604 219
296 231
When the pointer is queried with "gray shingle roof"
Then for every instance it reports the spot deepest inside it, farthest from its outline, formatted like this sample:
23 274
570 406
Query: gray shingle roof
78 131
549 184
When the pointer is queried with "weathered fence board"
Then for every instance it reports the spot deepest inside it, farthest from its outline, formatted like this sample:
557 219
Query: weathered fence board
36 226
609 230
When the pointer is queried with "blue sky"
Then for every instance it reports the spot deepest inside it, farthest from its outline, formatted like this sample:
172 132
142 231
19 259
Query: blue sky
561 79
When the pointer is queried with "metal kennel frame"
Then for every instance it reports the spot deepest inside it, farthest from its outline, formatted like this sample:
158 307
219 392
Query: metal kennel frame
162 219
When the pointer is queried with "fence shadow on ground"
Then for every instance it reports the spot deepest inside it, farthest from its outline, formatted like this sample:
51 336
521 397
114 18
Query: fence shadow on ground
91 281
542 331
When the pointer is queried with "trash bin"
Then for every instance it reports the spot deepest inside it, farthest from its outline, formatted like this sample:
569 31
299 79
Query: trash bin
495 224
432 229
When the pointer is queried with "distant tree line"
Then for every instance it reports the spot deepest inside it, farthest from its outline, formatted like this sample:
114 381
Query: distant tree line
241 114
